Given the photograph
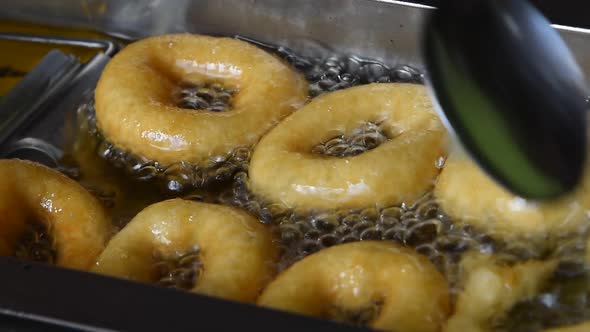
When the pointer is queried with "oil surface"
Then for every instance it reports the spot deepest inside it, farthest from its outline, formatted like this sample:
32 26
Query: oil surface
37 243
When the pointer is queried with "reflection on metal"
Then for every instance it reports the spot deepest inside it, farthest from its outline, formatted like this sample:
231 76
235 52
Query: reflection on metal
33 149
106 46
22 104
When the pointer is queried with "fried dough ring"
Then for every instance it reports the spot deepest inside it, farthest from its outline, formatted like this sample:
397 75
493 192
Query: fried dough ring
411 295
30 192
490 289
237 252
283 168
136 112
468 195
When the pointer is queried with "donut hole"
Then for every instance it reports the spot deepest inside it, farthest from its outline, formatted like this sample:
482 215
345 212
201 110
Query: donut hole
211 97
36 242
179 270
360 317
364 138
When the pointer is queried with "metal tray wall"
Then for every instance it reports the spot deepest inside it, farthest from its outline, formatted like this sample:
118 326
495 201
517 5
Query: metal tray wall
342 24
387 30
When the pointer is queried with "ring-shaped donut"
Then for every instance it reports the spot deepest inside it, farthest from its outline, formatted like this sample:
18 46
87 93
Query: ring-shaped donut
136 108
284 169
471 197
237 254
490 288
33 194
379 284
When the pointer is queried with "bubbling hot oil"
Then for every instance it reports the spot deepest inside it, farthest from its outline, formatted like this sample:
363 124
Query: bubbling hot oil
180 270
37 243
209 97
564 301
362 139
359 317
422 225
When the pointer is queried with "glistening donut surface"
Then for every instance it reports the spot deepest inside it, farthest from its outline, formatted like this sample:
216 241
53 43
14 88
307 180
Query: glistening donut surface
490 288
46 216
207 248
377 284
469 196
285 169
137 105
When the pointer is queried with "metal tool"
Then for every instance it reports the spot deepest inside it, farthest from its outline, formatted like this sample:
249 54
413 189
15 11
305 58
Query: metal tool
24 102
511 91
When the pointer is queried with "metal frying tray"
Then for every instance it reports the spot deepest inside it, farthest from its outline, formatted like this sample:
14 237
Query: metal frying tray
381 29
106 47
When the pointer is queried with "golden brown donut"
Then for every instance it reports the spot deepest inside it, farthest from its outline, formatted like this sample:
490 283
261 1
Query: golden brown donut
284 169
136 109
235 259
468 195
38 204
379 284
490 288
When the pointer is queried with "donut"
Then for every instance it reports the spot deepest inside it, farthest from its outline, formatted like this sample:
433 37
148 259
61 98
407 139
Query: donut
47 217
204 248
490 288
286 166
377 284
470 197
186 99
